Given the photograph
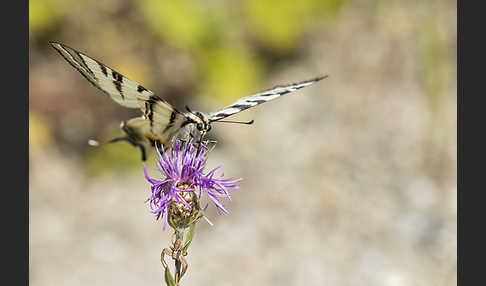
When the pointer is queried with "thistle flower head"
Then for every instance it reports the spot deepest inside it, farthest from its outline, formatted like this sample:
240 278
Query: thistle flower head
176 197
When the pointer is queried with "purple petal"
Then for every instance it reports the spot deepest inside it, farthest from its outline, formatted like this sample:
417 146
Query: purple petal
217 203
152 181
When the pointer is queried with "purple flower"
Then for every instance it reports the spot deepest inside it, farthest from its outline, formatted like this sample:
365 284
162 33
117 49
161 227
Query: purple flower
183 168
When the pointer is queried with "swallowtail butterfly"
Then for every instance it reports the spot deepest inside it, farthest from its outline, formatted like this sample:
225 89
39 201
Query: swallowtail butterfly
160 121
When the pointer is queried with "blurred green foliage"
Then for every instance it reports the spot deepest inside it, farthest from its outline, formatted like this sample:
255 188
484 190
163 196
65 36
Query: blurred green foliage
217 40
119 157
228 72
44 13
181 23
279 24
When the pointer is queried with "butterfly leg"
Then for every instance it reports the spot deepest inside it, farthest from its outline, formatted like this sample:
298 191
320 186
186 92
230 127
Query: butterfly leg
133 143
209 149
142 150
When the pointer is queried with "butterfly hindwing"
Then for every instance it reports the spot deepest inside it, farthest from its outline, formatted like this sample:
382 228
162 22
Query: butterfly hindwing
118 87
259 98
164 120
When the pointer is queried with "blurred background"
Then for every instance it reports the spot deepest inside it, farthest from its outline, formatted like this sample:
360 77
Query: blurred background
351 181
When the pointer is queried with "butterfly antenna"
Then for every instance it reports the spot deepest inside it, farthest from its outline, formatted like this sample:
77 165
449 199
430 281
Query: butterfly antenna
188 109
239 122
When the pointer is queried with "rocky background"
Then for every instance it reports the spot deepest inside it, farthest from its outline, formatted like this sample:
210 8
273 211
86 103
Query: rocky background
351 181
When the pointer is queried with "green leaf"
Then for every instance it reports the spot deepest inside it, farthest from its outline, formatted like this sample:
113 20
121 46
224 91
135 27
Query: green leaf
171 223
168 278
190 234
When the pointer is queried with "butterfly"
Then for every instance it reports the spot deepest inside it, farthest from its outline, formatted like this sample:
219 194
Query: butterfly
160 121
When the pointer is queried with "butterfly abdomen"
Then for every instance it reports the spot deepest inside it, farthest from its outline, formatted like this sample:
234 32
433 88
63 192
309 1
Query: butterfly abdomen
153 140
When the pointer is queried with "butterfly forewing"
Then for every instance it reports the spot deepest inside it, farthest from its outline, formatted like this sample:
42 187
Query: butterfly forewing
161 121
259 98
119 88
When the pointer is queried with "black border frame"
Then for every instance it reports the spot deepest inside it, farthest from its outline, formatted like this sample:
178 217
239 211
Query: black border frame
15 141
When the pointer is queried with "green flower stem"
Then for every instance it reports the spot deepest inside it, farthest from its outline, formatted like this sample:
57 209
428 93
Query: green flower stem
179 252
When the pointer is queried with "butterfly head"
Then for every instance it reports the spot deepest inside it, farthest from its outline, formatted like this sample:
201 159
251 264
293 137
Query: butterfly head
201 121
203 124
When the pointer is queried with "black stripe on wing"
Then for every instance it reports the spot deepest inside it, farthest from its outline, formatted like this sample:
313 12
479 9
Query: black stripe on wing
74 58
117 81
162 116
259 98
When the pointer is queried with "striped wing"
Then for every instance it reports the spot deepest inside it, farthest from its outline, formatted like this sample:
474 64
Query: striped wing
119 88
262 97
164 120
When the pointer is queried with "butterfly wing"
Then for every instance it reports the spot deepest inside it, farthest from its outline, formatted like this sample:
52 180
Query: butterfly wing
159 124
259 98
164 121
161 121
119 88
